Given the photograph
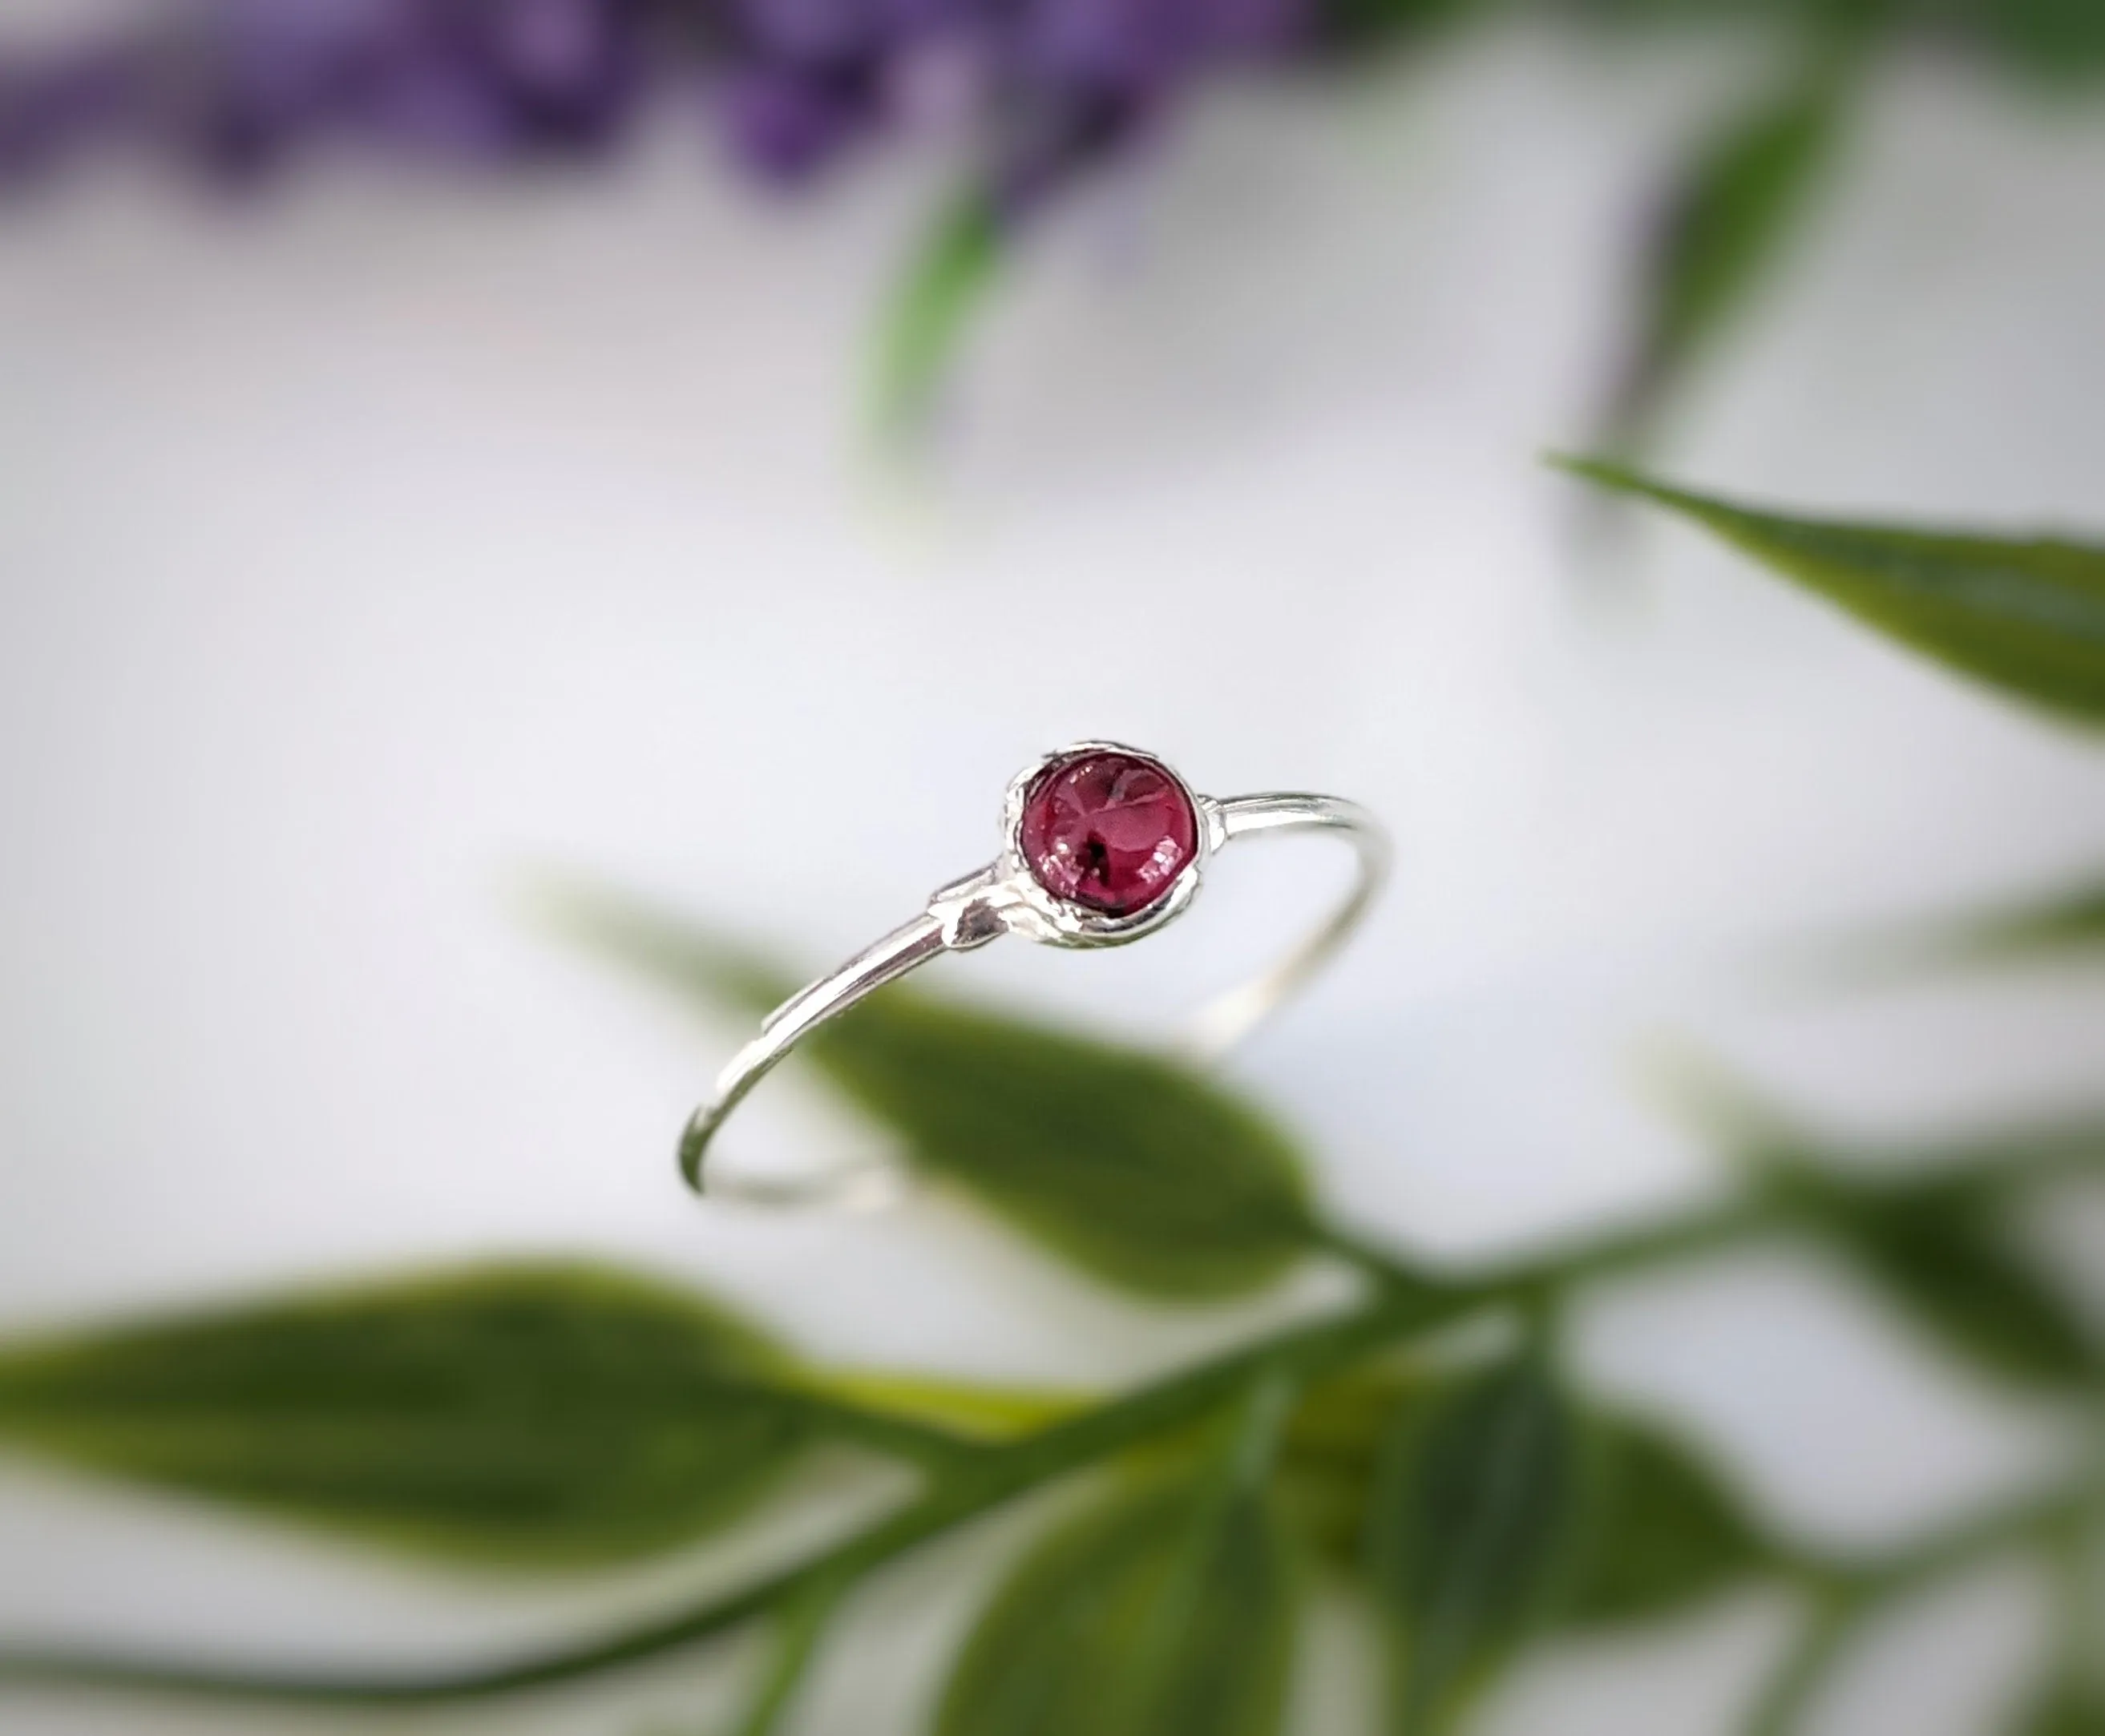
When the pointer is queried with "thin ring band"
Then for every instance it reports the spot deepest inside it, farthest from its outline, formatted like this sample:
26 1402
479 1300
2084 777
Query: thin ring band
1005 897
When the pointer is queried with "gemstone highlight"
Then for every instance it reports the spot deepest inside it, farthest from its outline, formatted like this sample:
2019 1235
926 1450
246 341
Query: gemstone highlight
1112 832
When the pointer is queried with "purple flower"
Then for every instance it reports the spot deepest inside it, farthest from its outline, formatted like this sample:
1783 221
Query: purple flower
53 111
786 124
1042 89
1134 45
573 69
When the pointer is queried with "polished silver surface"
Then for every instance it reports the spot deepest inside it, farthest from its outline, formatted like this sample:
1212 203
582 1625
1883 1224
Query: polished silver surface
1005 897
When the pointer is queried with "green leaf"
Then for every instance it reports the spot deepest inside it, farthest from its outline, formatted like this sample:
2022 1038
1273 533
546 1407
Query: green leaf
1944 1253
2068 1711
1360 23
2026 616
1933 1233
1332 1450
801 1626
1131 1166
2063 924
944 283
966 1410
2061 41
1151 1177
1167 1609
1661 1531
532 1415
658 945
1471 1532
1743 193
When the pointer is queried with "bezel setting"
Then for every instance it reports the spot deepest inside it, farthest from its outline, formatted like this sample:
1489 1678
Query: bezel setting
1043 916
1006 897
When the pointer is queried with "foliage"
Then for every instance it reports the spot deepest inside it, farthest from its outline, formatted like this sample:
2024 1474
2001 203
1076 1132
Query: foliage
943 285
2065 924
2068 1712
1469 1530
547 1417
1149 1177
1167 1609
1662 1531
1944 1255
556 1415
1422 1447
2025 615
1733 206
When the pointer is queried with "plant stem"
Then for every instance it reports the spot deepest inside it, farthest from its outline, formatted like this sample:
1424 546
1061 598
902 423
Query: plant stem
1517 1280
1828 1626
803 1623
1844 1594
997 1475
976 1478
933 1449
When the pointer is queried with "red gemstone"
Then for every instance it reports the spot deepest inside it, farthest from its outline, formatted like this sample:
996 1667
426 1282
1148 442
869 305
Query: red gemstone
1111 831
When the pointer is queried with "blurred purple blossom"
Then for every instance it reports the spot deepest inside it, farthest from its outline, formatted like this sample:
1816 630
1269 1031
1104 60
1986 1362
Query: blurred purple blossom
1038 89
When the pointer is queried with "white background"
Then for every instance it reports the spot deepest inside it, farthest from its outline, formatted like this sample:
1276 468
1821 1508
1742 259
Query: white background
360 560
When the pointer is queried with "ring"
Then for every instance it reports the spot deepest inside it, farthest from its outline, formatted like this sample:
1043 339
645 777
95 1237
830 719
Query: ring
1104 844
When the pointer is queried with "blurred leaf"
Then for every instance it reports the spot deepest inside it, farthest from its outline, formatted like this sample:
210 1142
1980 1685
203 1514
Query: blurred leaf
2063 41
1470 1532
2069 1711
1724 226
1660 1533
1135 1169
943 284
1634 13
536 1415
1151 1177
800 1625
658 945
2062 924
1358 22
974 1411
1332 1450
1767 1139
2028 616
1168 1609
1944 1252
1934 1232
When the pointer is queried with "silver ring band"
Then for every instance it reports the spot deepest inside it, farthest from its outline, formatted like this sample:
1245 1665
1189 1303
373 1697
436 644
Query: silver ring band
1007 897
